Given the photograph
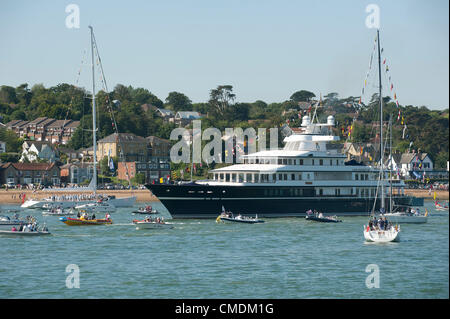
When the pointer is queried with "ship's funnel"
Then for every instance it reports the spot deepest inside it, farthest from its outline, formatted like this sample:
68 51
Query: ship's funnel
306 120
330 120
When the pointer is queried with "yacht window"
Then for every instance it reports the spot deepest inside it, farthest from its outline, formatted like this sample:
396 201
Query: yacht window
274 177
331 162
289 162
337 162
299 177
284 161
313 161
293 177
221 176
249 178
280 161
285 177
256 178
320 191
356 177
301 162
257 161
241 177
280 177
227 177
321 162
233 177
366 177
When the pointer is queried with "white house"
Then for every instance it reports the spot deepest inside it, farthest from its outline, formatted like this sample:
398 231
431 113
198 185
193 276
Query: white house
415 164
34 150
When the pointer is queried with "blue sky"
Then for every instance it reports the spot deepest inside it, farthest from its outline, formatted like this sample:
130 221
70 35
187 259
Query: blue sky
266 49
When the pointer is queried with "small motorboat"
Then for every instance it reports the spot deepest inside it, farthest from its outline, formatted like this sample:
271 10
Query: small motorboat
381 235
30 229
6 223
228 217
319 217
58 212
149 223
99 206
86 221
440 207
412 216
145 211
24 233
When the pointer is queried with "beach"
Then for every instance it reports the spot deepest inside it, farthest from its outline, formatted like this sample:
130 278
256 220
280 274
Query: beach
13 196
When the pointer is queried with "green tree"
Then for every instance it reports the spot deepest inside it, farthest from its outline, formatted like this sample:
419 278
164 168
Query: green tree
302 96
179 102
221 98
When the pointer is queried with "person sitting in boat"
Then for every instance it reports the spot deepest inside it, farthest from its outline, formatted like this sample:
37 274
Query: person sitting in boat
93 216
381 223
320 215
13 229
375 222
107 216
370 224
386 224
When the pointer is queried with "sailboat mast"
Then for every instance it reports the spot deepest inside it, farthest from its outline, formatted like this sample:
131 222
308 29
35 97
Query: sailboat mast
381 121
94 115
391 168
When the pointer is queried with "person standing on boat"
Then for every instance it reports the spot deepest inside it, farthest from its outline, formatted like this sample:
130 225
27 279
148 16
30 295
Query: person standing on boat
381 223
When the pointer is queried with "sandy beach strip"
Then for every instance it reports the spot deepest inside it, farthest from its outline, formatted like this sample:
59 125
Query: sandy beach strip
13 196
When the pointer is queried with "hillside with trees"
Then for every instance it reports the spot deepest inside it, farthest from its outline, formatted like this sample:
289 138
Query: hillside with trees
425 129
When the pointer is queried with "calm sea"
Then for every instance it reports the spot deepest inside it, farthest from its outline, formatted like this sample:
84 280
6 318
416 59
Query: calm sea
282 258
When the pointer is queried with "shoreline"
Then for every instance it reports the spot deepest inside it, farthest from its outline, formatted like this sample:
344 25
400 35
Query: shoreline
12 196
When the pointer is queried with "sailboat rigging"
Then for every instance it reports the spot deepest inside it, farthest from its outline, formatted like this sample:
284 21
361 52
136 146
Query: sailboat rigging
71 201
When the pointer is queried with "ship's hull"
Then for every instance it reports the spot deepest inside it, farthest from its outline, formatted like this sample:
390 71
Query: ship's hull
206 201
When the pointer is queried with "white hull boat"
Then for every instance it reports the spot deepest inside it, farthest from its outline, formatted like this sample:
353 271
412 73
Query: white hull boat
152 225
97 207
7 223
24 233
402 218
382 236
117 202
59 212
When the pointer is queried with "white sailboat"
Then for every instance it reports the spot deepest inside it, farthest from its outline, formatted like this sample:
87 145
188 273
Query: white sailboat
65 201
381 231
